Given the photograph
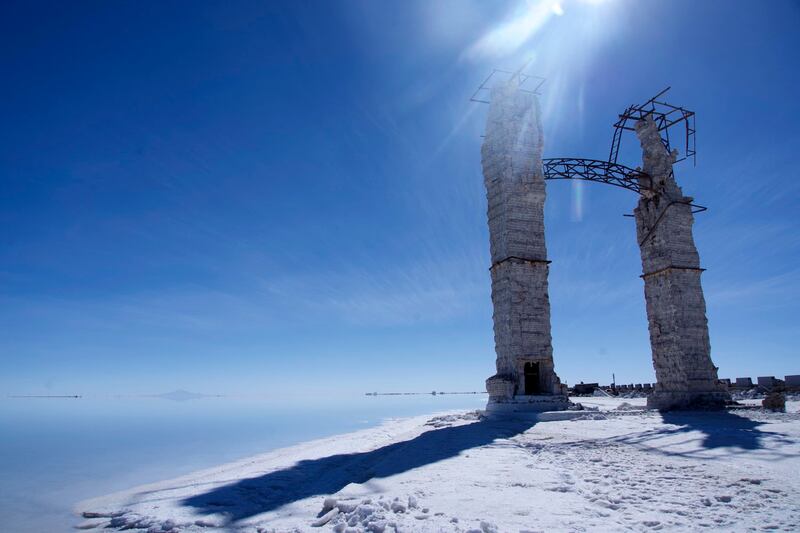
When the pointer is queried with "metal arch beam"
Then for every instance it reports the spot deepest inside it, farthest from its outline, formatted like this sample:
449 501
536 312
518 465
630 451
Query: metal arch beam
566 168
572 168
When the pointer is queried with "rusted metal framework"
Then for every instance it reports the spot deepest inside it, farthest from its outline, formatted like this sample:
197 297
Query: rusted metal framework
666 116
527 84
613 173
610 172
565 168
570 168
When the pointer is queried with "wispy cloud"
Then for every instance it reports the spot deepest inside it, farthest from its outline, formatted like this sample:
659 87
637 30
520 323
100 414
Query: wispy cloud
772 291
430 291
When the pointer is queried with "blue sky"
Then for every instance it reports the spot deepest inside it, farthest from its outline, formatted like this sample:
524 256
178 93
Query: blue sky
263 197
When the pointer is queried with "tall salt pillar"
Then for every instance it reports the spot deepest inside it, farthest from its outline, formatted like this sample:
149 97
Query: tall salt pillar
676 310
511 157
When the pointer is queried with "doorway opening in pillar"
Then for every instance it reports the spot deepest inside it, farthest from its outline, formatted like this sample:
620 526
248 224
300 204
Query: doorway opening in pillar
532 385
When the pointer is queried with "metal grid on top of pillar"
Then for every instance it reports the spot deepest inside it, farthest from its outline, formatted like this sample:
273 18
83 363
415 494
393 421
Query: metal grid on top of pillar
514 174
528 83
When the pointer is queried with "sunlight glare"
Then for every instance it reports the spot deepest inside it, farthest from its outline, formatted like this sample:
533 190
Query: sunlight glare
508 37
576 204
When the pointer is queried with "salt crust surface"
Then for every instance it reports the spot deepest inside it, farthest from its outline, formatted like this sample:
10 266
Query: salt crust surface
619 468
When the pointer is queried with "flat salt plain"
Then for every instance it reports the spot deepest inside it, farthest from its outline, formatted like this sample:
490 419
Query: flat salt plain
619 468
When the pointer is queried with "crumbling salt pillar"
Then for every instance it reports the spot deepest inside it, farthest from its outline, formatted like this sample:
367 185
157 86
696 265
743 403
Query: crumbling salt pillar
511 157
676 310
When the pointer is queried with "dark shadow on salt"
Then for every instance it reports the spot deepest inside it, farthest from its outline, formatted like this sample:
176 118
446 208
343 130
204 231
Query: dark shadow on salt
726 433
328 475
721 429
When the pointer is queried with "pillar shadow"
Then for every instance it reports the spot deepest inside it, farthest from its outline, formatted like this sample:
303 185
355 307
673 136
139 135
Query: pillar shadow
722 429
328 475
710 435
736 432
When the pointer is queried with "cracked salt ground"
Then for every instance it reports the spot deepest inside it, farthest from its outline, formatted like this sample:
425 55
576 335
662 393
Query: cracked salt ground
629 471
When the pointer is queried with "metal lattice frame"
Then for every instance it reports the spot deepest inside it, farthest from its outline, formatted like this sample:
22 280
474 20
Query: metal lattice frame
572 168
666 116
611 172
565 168
533 87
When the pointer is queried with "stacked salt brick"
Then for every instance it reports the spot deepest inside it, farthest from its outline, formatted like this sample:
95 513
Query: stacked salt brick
511 156
676 309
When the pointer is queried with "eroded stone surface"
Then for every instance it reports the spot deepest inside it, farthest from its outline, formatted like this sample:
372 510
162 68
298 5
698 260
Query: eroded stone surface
511 156
676 309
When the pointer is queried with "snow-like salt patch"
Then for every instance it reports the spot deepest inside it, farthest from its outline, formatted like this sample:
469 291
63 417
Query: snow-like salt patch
616 468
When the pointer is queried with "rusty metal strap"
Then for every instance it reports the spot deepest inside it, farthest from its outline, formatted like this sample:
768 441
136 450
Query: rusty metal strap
671 267
658 220
514 258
